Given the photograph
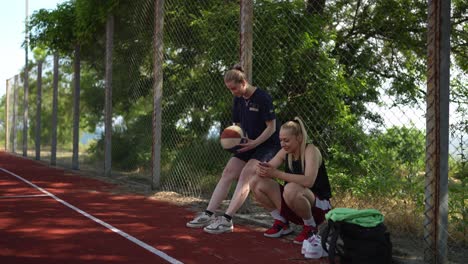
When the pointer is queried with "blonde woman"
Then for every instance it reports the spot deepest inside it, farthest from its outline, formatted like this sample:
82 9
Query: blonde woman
253 111
304 198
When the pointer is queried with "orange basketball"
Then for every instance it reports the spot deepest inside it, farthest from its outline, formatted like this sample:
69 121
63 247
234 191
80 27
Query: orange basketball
231 137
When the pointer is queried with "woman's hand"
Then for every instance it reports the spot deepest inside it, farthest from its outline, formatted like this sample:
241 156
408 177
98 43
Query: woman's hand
264 169
246 145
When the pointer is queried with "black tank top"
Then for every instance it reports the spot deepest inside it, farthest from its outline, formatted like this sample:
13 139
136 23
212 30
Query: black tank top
321 186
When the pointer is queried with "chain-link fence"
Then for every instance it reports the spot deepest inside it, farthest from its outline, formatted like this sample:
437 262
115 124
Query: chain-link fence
355 71
39 123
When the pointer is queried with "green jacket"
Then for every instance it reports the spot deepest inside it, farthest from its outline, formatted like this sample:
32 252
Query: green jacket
364 217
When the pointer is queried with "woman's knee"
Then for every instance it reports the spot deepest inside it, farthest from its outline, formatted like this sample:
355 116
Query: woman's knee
232 170
257 184
262 185
250 169
291 192
230 173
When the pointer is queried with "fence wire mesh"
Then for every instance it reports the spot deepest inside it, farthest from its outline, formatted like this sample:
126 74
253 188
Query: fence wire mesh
353 70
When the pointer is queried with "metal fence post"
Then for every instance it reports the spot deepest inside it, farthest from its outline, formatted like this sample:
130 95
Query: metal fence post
108 99
76 106
26 88
7 108
15 111
53 147
38 109
157 91
437 128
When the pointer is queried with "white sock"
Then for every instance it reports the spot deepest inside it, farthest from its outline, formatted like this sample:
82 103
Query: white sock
277 216
309 222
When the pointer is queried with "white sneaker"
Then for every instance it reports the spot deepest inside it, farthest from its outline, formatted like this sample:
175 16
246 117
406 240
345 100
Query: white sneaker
201 220
220 225
312 248
305 246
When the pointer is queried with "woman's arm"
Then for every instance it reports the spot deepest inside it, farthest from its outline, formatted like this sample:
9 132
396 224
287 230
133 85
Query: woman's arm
277 160
313 159
264 168
266 134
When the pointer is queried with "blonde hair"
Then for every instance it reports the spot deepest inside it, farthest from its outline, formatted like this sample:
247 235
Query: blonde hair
297 128
235 74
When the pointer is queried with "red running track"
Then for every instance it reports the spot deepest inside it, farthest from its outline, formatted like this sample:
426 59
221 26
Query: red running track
49 215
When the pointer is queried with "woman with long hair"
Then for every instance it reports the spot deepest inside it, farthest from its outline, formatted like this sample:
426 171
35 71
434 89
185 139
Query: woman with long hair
304 197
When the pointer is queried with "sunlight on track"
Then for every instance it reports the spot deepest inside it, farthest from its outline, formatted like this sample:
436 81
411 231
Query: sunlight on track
108 226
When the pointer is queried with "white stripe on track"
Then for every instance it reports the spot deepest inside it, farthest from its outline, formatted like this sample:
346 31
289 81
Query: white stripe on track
23 196
110 227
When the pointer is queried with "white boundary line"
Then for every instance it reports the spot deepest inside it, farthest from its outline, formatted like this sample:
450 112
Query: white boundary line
108 226
22 196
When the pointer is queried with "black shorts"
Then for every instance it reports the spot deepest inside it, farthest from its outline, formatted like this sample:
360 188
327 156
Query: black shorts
260 153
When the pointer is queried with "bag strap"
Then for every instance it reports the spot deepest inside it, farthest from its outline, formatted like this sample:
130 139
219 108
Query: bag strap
332 243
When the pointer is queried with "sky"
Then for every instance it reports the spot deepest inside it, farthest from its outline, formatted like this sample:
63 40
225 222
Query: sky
12 25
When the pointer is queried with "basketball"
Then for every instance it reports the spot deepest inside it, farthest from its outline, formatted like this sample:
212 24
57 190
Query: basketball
231 137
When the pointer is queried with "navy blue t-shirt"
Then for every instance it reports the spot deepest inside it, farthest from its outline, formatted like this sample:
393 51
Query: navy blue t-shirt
252 113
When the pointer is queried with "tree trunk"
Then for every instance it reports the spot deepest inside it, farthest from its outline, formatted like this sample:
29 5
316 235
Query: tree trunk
246 43
246 37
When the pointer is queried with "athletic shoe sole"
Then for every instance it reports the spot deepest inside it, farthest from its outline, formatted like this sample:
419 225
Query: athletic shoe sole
315 254
219 231
282 232
201 225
